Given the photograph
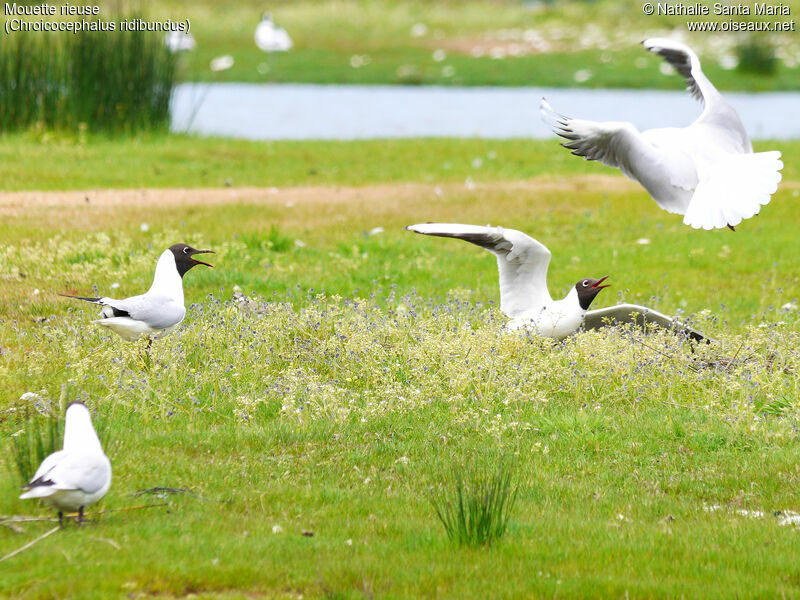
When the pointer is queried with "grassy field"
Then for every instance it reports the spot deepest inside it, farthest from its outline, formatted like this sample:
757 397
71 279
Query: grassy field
464 43
360 366
47 161
502 42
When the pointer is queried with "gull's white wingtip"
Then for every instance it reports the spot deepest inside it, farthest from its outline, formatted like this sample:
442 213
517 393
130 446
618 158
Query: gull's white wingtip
38 491
550 116
658 43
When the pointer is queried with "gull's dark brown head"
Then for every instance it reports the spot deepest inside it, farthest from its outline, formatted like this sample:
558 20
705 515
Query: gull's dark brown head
184 257
588 289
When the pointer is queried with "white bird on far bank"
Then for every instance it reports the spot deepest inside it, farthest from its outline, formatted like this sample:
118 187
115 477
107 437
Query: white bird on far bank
179 41
706 171
159 310
271 38
76 476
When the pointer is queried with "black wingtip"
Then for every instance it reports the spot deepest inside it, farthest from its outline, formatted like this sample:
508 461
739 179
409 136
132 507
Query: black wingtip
84 298
731 227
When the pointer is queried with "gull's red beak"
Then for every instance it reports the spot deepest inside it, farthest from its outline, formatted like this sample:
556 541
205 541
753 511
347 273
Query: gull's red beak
200 262
596 285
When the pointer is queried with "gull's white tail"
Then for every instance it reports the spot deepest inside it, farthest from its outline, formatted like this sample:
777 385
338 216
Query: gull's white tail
734 189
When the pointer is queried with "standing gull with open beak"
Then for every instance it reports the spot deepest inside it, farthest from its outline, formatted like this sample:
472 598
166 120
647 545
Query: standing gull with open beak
159 310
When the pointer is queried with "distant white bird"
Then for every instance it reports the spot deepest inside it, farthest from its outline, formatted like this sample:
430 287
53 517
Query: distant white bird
271 38
522 263
179 41
706 171
158 311
77 476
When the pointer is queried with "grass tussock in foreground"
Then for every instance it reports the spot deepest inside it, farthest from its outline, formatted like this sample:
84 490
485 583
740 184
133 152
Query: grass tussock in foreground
474 501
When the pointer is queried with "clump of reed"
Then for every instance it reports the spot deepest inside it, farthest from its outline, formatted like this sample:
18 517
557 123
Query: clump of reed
474 500
97 81
39 437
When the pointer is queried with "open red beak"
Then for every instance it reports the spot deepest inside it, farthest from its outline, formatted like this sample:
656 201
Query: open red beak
200 262
597 286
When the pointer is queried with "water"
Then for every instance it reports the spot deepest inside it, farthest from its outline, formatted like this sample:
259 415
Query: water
345 112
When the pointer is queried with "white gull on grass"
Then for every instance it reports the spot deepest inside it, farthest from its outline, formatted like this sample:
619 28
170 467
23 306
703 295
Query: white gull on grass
271 38
159 310
76 476
522 263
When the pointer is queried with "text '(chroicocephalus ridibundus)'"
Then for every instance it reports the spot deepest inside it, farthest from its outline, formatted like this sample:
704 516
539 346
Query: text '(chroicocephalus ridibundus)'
158 311
77 476
271 38
522 262
706 171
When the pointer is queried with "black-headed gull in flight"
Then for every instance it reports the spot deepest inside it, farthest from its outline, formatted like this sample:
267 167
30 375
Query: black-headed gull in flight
77 476
271 38
159 310
522 262
706 172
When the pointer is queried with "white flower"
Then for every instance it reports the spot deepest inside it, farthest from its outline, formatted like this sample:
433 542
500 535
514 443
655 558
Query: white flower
221 63
144 227
439 55
375 231
643 241
729 62
277 529
582 76
359 60
419 29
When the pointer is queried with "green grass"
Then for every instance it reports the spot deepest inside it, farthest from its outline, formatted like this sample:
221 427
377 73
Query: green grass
601 37
47 161
545 45
474 501
354 368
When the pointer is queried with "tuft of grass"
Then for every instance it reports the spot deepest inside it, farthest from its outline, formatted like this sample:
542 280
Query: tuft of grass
474 501
39 437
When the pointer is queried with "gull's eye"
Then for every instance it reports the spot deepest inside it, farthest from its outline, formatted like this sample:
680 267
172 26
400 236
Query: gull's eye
585 283
186 250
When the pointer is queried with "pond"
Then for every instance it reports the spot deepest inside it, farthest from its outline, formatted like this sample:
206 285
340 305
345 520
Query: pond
344 112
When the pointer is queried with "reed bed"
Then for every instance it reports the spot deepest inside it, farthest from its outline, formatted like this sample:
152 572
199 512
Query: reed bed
95 81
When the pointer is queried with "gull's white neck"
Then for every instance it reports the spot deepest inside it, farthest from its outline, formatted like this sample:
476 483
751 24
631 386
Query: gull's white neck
571 303
79 434
167 281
